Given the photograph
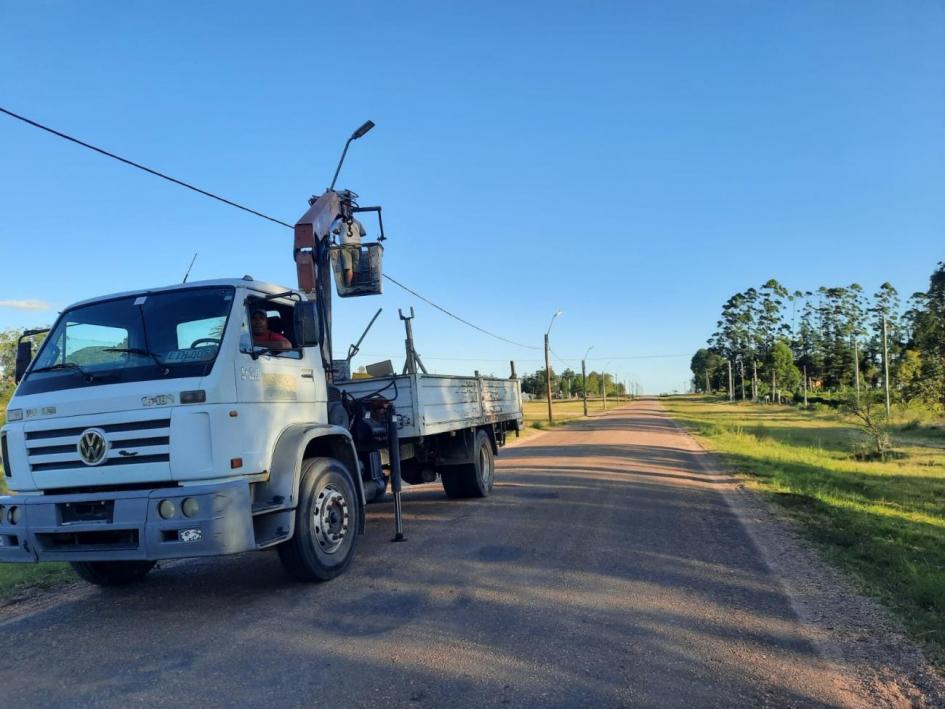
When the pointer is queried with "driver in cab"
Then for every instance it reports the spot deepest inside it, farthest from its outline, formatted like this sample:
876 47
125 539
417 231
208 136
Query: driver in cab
263 336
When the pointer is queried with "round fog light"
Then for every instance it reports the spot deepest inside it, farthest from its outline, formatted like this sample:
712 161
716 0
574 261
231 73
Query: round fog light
166 509
13 516
190 507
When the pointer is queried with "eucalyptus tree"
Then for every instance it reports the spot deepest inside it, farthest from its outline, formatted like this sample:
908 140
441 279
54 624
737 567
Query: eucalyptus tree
853 307
927 318
885 306
732 338
809 350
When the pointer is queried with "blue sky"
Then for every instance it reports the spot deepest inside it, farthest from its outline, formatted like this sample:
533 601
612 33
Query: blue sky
630 163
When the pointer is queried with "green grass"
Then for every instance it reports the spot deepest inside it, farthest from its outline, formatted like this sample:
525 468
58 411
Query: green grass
19 579
883 521
563 410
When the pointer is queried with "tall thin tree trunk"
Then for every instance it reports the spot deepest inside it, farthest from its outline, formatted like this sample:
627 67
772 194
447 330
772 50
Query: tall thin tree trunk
741 365
856 369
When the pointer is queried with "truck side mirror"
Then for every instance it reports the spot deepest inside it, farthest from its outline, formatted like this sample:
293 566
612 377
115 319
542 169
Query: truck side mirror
307 330
24 355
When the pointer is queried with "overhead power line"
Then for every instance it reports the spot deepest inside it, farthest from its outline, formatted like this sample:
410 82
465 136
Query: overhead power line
456 317
142 167
231 203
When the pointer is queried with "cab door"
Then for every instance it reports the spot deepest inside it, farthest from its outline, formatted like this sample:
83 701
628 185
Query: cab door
275 388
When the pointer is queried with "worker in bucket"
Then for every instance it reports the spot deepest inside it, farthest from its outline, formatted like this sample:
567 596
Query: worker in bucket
262 335
349 232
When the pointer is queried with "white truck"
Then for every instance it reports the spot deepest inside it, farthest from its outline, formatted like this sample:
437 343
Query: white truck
153 425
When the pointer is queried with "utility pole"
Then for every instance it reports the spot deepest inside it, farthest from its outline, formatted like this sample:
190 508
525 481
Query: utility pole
548 366
886 368
548 379
805 385
707 381
731 384
754 380
741 365
584 376
603 389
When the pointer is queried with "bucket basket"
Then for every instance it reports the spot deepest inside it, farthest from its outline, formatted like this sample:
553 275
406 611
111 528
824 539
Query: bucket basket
365 264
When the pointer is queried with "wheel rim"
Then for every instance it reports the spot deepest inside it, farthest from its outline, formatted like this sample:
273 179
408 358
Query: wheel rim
332 517
485 469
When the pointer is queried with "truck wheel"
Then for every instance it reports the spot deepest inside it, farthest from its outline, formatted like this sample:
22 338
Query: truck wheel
471 479
112 573
326 522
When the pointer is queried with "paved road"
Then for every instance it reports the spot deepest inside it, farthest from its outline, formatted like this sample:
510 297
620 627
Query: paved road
606 570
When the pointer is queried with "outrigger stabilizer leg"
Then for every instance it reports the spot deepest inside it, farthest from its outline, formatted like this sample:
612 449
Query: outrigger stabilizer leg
393 454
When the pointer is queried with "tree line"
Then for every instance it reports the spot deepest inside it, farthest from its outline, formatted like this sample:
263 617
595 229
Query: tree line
569 383
777 342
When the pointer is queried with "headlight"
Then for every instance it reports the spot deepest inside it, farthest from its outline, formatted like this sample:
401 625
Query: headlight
190 507
166 509
14 414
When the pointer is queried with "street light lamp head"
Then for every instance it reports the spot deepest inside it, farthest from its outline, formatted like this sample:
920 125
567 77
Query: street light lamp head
365 127
557 313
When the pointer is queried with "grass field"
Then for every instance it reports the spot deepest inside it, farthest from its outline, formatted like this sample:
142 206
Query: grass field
883 521
536 412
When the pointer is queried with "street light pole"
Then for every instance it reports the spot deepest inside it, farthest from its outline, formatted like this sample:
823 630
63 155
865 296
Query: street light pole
584 375
548 367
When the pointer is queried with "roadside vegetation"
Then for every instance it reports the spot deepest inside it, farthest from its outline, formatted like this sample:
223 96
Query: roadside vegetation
564 410
817 346
883 520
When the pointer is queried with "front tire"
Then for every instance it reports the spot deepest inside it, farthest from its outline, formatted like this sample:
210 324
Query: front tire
471 479
112 573
326 522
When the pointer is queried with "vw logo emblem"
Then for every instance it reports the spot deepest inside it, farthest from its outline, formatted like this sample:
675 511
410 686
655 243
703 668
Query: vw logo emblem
92 446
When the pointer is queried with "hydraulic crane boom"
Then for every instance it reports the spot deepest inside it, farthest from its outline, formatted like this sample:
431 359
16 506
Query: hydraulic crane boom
312 247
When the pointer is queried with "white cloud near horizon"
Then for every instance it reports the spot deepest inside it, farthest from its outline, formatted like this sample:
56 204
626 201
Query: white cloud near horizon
30 304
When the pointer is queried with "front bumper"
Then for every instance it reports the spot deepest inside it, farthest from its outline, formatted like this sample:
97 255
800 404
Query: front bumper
124 526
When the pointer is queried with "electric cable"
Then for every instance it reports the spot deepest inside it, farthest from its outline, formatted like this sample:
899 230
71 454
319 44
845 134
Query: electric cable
141 167
231 203
456 317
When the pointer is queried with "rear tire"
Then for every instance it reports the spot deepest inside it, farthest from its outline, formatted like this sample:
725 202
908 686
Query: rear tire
471 479
112 573
326 522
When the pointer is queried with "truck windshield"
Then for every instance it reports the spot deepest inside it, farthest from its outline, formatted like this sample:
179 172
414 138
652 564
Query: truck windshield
136 338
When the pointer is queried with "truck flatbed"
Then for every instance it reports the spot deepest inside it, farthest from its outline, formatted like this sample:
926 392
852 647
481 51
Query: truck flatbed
430 404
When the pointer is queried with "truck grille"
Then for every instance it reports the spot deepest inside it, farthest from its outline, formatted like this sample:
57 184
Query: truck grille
132 443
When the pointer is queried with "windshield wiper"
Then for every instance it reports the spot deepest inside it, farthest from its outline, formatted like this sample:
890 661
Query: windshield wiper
64 365
144 353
